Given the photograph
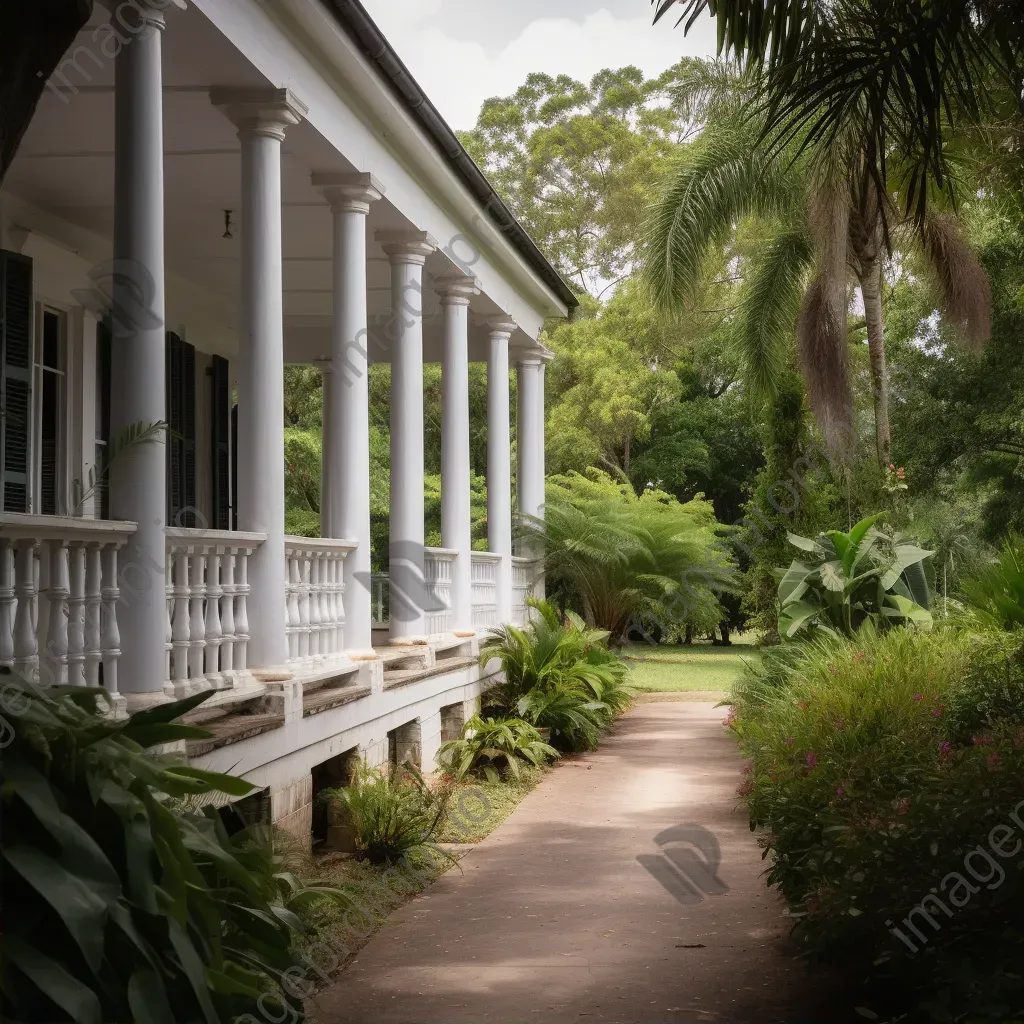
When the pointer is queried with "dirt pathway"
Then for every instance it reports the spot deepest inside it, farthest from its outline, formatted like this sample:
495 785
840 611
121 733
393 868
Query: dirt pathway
627 888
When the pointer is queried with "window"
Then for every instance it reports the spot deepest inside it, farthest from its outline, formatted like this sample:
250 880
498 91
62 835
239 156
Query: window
50 390
15 380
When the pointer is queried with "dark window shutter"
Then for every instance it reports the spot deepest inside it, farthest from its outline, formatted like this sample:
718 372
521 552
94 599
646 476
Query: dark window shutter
234 467
220 456
104 340
181 429
15 379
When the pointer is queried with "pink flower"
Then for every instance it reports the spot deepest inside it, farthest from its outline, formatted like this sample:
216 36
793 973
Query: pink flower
945 749
891 466
980 741
812 760
840 791
859 656
790 741
918 696
840 725
993 760
937 713
899 473
903 806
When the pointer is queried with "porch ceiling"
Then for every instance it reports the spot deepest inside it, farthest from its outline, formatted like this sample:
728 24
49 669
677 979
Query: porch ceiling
65 168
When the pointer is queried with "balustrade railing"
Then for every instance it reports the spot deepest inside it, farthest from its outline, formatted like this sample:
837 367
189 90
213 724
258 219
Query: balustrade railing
315 588
58 598
380 599
484 575
437 576
207 601
523 572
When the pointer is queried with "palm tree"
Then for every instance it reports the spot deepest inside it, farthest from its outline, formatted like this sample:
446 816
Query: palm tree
828 226
905 72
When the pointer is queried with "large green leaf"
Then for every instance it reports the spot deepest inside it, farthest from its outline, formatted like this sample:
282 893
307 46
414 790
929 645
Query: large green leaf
795 616
76 999
164 713
832 576
906 555
793 584
230 784
805 544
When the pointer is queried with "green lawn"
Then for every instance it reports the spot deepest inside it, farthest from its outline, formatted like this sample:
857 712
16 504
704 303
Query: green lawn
697 667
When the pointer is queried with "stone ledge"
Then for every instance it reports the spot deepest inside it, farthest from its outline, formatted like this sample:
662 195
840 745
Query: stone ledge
403 677
328 697
233 729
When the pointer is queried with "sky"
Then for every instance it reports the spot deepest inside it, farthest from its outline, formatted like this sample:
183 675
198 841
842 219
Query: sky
463 51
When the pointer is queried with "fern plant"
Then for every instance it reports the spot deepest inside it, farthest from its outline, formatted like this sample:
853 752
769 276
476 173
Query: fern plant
492 746
393 811
558 675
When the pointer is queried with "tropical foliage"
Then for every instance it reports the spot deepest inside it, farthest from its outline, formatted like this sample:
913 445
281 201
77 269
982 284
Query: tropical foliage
996 593
394 812
558 675
491 747
625 561
125 897
843 580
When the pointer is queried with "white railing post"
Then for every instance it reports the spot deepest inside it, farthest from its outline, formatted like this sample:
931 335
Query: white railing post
241 653
181 633
485 566
76 615
211 659
93 613
316 609
110 634
57 594
227 611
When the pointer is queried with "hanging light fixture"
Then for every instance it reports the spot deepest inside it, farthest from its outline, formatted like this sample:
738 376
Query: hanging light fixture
227 225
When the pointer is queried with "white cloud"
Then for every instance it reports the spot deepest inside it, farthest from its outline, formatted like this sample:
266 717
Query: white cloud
459 75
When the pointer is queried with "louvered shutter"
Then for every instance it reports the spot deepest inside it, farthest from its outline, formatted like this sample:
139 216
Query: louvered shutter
220 456
181 429
234 467
15 380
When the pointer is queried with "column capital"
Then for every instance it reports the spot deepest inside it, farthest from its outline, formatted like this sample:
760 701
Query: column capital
144 12
535 357
500 328
406 246
348 193
456 289
258 111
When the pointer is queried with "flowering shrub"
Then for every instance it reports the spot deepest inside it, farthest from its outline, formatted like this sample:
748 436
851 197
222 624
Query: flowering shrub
880 765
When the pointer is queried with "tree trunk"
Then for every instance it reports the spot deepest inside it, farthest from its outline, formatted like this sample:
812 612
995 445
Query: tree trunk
688 638
625 457
34 35
871 288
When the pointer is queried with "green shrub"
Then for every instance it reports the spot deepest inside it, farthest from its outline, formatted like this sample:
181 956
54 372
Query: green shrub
393 811
558 675
843 580
491 745
996 592
120 903
872 786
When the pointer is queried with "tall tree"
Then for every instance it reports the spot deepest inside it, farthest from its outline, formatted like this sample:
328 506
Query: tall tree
576 162
824 227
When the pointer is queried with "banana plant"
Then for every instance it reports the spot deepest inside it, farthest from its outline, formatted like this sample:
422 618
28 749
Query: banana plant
842 580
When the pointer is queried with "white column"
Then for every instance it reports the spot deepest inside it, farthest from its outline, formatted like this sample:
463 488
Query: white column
456 533
347 483
530 435
138 488
262 116
499 462
407 253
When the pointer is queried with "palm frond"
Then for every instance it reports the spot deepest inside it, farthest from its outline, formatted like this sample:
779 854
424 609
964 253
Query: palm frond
769 307
964 291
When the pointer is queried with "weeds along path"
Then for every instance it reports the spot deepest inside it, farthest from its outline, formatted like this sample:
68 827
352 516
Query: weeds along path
626 888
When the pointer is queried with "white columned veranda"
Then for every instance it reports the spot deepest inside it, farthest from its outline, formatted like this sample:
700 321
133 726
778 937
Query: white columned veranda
407 252
138 482
346 486
456 534
262 117
499 462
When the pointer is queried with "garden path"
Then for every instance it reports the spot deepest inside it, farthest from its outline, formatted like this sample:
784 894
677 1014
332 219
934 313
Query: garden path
584 906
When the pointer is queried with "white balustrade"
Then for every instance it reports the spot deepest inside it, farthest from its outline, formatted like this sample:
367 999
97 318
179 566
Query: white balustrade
523 570
437 577
484 571
207 599
59 591
315 603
